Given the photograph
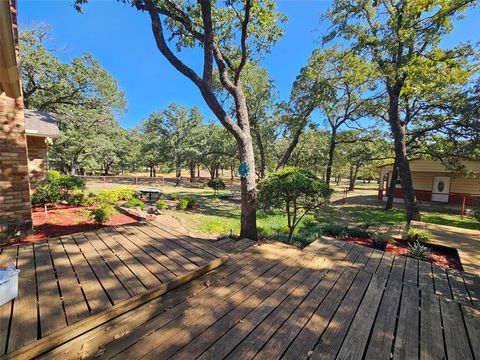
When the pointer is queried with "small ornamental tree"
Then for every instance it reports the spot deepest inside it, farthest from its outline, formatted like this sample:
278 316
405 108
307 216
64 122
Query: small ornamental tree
216 184
298 191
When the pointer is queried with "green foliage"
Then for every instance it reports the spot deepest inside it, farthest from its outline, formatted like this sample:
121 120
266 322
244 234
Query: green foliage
358 233
112 197
216 184
102 214
418 235
84 97
476 211
334 230
295 190
418 251
172 136
161 204
183 203
380 240
77 199
134 202
173 196
192 202
57 187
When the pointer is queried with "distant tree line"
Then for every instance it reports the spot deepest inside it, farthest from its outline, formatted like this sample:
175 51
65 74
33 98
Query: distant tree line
381 88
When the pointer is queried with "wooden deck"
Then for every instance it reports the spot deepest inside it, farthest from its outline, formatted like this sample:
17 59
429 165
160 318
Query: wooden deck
330 301
67 285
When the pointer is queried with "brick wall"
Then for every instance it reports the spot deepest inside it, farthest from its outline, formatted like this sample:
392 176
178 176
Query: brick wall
37 160
15 208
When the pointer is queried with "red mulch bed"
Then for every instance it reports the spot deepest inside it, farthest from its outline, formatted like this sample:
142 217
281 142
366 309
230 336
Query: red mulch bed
438 255
65 220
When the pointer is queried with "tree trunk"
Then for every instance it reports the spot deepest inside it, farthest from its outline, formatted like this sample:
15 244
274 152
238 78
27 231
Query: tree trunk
391 186
353 177
248 218
239 129
211 170
399 135
261 151
192 172
73 167
331 154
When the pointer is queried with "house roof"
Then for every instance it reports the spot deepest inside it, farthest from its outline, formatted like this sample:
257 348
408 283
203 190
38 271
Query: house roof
41 123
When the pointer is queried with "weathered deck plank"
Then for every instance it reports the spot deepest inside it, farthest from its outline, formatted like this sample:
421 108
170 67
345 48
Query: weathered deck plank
72 283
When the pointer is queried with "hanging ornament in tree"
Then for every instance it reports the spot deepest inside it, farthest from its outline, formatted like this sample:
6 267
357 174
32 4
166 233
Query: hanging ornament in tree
243 169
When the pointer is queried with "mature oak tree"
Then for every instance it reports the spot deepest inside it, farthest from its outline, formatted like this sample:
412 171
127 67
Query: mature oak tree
229 35
402 39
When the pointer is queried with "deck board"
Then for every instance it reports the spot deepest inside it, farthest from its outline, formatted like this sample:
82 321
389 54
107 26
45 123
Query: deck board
67 281
333 301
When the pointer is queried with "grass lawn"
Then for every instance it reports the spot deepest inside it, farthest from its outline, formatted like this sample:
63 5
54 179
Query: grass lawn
363 214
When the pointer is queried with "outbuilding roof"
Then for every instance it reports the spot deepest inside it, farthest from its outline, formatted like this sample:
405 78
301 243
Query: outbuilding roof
41 123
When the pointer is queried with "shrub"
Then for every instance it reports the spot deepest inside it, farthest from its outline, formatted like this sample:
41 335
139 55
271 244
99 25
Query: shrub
77 199
419 235
173 196
357 233
192 202
418 251
125 193
380 240
216 184
476 211
57 187
365 225
161 204
102 214
297 191
334 230
183 203
135 203
111 197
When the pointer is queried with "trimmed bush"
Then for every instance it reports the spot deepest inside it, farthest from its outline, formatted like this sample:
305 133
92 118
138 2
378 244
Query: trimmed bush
161 204
418 251
135 203
419 235
380 240
192 202
102 214
183 203
476 211
111 197
334 230
173 196
216 184
295 191
357 233
77 199
57 187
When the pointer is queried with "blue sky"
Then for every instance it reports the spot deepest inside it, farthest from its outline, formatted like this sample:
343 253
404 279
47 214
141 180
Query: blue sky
121 39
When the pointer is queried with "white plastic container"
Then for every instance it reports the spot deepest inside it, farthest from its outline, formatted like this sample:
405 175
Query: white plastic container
8 284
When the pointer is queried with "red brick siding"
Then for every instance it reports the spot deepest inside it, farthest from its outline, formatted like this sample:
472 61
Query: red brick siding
15 208
37 160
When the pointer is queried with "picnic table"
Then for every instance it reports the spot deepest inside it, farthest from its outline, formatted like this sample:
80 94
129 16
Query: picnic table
150 192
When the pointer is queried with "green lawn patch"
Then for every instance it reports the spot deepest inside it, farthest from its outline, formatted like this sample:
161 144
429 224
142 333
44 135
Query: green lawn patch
377 216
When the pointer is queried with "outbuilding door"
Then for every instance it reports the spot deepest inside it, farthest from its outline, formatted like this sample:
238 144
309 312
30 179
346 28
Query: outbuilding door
441 188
